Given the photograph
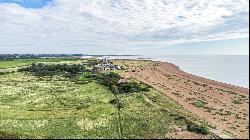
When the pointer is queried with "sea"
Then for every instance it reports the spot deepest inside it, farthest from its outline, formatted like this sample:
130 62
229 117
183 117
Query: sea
231 69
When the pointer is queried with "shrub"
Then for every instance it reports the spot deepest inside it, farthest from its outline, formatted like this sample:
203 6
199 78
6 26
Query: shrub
116 103
199 103
113 101
197 128
129 87
180 118
237 102
145 89
2 73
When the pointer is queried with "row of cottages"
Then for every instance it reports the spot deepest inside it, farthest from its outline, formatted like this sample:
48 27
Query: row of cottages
105 65
100 68
104 61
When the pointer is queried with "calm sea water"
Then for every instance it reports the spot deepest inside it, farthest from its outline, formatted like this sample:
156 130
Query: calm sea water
231 69
224 68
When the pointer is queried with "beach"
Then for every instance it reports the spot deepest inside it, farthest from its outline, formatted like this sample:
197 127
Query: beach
223 106
231 69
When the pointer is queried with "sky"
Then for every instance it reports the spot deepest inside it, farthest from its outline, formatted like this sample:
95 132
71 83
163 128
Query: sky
144 27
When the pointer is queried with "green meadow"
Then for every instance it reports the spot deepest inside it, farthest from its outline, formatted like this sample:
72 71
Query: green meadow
22 62
55 107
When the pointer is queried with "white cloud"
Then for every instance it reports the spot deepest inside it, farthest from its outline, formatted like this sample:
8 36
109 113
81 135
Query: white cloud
122 23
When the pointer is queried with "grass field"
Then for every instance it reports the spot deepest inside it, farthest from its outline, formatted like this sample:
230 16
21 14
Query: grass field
32 107
22 62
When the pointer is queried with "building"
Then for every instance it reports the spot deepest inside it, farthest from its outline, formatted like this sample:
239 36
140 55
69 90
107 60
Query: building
106 68
104 60
118 67
98 69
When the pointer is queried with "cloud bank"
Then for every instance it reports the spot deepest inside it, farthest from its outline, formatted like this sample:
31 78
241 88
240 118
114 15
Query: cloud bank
68 24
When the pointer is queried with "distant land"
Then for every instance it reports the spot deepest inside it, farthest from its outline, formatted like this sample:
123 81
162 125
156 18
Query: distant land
13 56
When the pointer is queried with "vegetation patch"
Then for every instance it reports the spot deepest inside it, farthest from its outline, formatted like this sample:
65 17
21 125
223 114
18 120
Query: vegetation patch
190 99
177 94
2 73
237 102
200 129
196 102
208 109
199 103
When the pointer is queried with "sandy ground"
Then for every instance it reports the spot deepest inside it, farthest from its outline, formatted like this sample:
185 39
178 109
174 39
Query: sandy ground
186 135
223 106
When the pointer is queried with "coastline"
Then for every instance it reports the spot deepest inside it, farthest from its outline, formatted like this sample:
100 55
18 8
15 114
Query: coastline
207 80
196 77
223 106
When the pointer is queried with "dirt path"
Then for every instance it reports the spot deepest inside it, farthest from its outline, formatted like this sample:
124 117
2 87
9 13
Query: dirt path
221 105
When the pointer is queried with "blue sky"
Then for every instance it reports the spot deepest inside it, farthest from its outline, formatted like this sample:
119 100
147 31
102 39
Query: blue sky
124 26
29 3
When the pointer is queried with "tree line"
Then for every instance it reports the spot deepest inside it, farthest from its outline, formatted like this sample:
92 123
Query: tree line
41 70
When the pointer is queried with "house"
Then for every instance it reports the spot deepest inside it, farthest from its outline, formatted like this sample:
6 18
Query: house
118 67
98 69
108 65
113 68
107 68
104 60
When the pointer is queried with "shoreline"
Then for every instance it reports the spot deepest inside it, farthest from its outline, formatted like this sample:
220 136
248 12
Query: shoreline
207 80
223 106
190 75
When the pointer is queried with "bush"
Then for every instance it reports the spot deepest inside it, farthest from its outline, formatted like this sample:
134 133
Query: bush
199 103
116 103
197 128
145 89
2 73
113 101
129 87
180 118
